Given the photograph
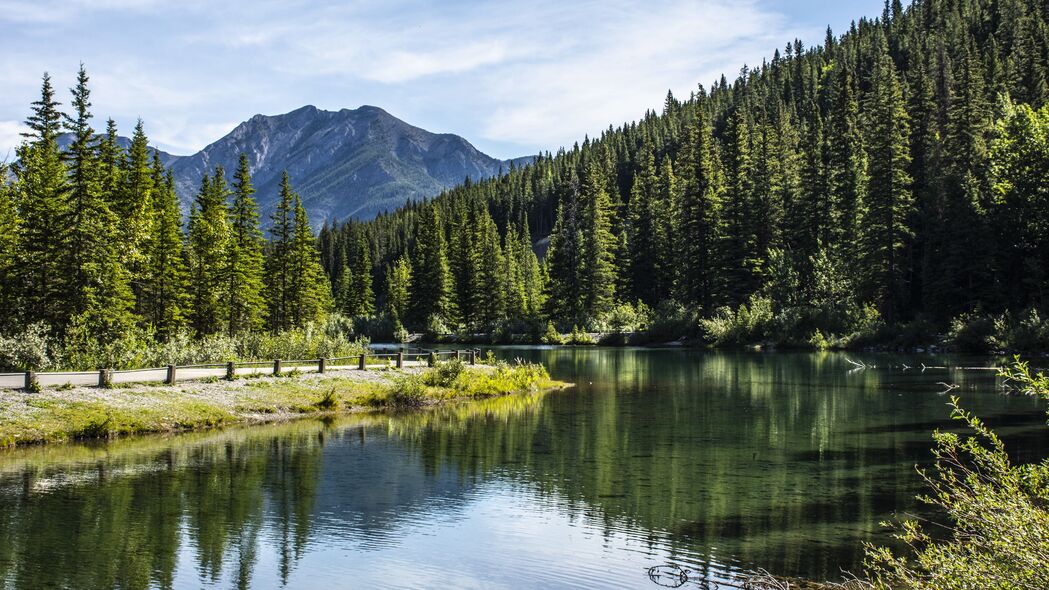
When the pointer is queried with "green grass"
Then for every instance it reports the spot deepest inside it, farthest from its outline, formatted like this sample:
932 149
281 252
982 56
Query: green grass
54 417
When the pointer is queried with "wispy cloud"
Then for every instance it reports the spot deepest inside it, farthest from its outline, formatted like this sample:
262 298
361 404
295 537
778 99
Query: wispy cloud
513 76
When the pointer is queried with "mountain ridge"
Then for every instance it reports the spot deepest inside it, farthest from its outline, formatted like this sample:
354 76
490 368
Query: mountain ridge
349 163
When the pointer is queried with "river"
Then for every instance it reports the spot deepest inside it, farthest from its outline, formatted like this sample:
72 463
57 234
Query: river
715 463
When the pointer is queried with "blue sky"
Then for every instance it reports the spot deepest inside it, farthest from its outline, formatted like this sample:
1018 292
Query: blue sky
512 77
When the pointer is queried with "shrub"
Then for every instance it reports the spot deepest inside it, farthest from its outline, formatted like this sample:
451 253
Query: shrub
998 534
409 391
972 333
445 373
552 336
26 350
578 337
750 323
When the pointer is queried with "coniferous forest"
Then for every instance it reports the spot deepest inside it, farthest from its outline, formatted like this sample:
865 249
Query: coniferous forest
96 260
888 186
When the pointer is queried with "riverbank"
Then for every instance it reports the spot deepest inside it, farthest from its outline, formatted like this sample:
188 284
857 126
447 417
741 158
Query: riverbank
75 413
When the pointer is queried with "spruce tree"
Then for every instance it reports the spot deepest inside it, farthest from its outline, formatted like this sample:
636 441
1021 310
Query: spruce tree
41 194
888 202
278 258
10 230
363 300
208 245
398 288
432 278
98 292
309 295
565 299
699 227
243 272
165 301
598 276
132 204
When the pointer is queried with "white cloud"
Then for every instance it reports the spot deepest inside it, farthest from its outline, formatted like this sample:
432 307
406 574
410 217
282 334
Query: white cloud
520 74
10 138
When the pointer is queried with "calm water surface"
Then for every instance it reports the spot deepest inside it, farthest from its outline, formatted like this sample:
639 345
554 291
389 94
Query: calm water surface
713 462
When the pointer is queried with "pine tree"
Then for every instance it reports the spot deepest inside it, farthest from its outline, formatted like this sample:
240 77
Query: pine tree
41 194
699 219
98 292
888 202
132 204
309 293
432 278
10 230
363 301
398 288
278 258
243 272
208 245
165 301
487 300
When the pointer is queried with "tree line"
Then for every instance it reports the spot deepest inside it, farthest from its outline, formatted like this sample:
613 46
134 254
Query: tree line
892 175
93 244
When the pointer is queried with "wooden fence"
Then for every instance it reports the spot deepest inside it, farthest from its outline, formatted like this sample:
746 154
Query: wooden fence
34 381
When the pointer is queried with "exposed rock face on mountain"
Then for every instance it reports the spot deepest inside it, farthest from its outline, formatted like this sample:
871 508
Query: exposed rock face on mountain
350 163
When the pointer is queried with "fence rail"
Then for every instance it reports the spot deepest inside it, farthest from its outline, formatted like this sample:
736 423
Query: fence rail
171 374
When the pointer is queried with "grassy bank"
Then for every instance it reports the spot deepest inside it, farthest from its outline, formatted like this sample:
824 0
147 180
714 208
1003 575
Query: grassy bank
89 413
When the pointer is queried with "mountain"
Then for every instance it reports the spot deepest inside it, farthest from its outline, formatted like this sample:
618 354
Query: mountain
348 163
66 139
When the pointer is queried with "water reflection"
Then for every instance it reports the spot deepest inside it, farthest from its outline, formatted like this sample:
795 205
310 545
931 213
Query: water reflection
711 461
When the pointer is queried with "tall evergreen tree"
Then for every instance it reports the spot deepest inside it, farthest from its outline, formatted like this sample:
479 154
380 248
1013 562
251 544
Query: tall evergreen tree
309 291
432 278
888 201
363 300
399 288
243 272
208 245
98 292
165 289
10 229
278 258
41 194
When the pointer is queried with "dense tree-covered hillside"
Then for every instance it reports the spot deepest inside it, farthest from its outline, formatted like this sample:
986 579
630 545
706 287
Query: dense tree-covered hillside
893 175
93 248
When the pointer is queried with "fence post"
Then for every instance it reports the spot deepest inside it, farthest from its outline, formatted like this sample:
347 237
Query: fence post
456 355
231 371
473 357
104 379
363 362
276 367
322 365
432 359
30 381
170 379
400 360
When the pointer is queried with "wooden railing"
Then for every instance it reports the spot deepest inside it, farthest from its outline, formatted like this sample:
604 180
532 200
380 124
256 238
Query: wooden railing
34 381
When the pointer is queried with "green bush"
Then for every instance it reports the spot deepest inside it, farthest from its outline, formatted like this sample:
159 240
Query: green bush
751 323
409 391
445 373
80 350
552 336
997 536
26 350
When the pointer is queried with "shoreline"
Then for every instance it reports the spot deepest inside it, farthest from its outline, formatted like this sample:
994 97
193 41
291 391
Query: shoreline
61 415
